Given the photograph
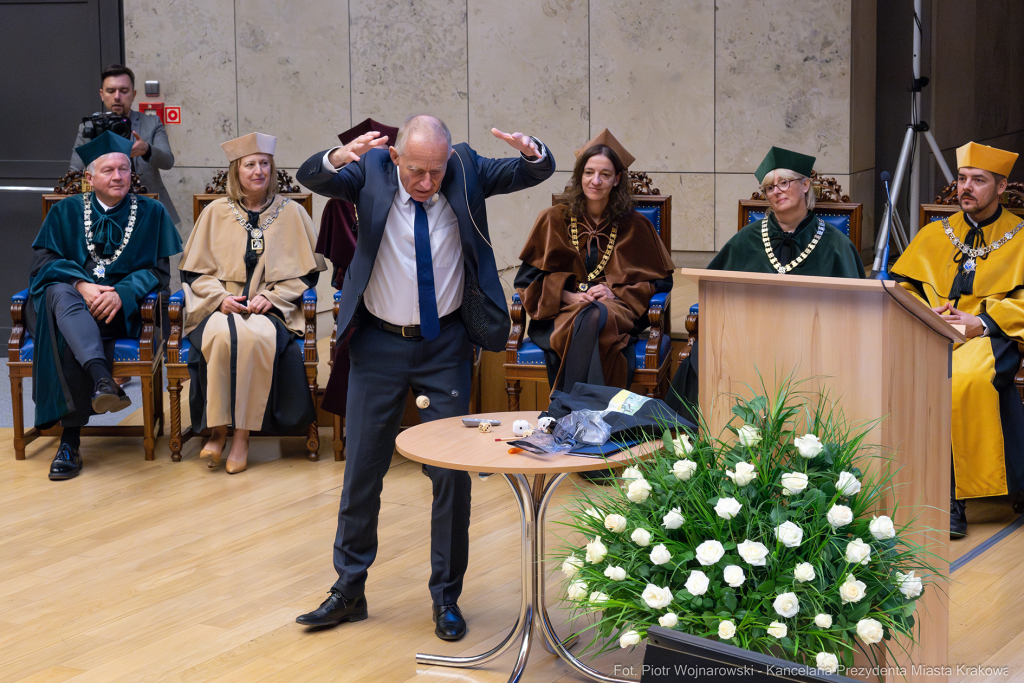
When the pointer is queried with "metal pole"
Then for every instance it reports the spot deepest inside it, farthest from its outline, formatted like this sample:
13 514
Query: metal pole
915 169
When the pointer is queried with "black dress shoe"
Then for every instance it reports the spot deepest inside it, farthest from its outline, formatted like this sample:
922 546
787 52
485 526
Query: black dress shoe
334 610
107 397
67 464
957 518
450 623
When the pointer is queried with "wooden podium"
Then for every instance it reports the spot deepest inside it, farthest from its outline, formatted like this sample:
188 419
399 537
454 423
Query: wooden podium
882 355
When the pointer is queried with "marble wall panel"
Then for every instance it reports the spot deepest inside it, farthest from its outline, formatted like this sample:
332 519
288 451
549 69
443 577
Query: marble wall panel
730 188
190 48
653 81
410 58
693 208
782 78
864 45
293 75
510 218
528 72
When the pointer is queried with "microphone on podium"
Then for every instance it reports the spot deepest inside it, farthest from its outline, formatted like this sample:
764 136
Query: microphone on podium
883 271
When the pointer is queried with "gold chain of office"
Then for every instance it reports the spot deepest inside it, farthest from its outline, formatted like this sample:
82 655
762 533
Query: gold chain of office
574 235
783 269
256 231
973 254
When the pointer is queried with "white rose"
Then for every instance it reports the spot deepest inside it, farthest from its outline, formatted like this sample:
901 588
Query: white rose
838 516
787 604
793 483
734 575
808 446
668 620
596 550
909 585
882 528
744 474
803 572
777 629
615 523
660 554
629 638
631 473
870 631
749 435
709 552
571 567
858 552
655 597
598 598
697 583
674 519
681 445
852 590
642 537
615 573
823 621
577 590
727 508
684 469
847 485
639 490
827 662
595 513
789 534
726 629
753 553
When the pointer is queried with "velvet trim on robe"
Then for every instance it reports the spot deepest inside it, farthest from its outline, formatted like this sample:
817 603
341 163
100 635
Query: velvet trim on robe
987 426
133 275
638 258
834 255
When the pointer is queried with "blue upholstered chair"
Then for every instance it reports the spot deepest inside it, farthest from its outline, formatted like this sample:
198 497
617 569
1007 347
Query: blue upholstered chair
524 360
142 358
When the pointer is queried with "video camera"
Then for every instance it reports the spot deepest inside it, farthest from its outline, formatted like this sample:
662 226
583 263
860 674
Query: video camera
95 124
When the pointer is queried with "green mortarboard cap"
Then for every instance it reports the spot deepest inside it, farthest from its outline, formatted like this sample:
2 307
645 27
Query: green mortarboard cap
105 143
784 158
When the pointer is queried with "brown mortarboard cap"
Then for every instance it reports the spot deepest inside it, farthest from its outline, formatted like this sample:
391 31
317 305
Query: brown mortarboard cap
253 143
608 140
365 127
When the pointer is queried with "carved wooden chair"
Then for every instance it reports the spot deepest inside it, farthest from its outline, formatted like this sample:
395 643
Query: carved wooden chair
142 357
524 360
834 207
178 344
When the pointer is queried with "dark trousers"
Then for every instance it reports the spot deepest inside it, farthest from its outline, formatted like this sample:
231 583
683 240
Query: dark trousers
384 366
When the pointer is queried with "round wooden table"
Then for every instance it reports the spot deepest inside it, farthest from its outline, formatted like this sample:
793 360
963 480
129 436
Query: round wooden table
448 443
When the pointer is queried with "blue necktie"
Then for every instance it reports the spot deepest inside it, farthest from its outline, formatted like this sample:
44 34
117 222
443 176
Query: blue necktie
430 326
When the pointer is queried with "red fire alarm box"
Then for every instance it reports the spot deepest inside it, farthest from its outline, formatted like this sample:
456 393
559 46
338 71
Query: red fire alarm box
152 109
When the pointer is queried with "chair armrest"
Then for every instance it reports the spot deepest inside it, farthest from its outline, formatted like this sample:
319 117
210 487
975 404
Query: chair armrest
149 339
309 296
657 318
174 314
334 330
18 331
518 331
309 314
1018 379
692 327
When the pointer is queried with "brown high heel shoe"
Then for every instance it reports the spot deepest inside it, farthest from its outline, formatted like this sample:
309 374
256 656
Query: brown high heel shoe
214 455
241 440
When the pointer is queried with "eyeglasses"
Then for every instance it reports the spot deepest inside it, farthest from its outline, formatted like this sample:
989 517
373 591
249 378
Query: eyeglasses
781 186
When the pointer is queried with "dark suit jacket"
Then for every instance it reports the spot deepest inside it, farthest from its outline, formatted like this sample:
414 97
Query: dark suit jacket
152 132
371 184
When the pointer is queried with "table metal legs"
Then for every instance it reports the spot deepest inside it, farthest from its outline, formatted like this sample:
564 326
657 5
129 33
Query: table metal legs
533 502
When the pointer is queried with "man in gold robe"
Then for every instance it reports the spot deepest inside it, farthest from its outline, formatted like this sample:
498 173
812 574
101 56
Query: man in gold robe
970 269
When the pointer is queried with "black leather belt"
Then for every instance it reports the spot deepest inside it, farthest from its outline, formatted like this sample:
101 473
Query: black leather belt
407 331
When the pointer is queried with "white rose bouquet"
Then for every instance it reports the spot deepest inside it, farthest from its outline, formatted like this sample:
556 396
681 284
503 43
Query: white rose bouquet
771 537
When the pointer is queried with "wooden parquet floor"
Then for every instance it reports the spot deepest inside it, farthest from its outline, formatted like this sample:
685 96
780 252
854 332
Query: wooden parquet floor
167 572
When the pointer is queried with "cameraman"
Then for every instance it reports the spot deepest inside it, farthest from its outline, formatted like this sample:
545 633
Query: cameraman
150 149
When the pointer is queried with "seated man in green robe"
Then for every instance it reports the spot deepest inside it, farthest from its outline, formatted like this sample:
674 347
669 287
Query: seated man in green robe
790 239
96 258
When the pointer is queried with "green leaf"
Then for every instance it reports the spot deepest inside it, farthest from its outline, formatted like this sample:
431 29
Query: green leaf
860 611
767 587
730 601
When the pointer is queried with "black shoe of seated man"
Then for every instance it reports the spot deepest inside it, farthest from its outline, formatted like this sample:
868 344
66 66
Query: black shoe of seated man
957 518
450 623
107 397
67 463
334 610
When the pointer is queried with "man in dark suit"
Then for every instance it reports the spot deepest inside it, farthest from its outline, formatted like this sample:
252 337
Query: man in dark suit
151 151
424 288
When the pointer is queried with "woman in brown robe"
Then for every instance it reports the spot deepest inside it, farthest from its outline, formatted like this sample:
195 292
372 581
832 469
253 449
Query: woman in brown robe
244 269
590 268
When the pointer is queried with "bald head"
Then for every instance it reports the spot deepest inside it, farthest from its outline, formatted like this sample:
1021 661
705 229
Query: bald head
421 153
425 130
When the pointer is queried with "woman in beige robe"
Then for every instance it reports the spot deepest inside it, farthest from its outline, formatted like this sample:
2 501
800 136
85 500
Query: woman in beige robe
244 269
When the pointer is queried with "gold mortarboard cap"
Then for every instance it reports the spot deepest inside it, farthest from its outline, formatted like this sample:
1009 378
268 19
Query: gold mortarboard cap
986 158
253 143
608 140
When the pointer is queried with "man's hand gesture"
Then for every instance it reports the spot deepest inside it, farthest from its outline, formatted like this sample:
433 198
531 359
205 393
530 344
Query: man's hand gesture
139 146
971 323
357 148
523 143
